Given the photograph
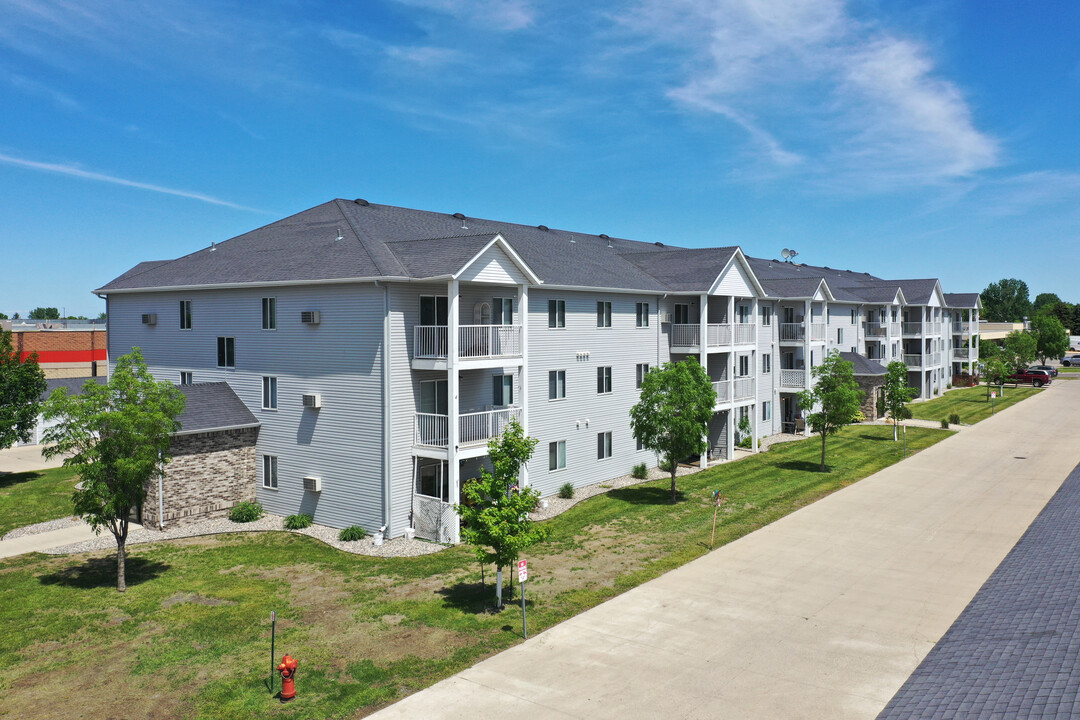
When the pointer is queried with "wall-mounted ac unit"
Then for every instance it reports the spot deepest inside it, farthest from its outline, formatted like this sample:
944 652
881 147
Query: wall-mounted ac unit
313 484
310 317
667 318
149 319
313 401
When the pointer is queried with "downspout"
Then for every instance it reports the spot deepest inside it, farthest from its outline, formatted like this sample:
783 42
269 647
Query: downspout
387 406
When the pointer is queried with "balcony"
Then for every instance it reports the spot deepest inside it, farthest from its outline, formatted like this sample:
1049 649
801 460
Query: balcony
963 328
723 391
913 328
872 329
475 343
686 336
792 379
474 429
894 329
743 388
965 354
792 332
745 333
717 335
913 361
817 332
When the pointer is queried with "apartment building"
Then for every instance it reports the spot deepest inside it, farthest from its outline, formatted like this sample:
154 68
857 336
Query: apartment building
380 348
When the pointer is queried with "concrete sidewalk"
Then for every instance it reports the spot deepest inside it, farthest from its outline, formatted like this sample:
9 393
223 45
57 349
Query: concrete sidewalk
823 614
25 458
41 542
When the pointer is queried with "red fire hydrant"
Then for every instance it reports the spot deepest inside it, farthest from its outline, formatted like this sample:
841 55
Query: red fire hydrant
287 668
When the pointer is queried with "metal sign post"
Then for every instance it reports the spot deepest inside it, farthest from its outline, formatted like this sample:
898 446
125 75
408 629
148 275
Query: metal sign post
993 396
273 628
523 575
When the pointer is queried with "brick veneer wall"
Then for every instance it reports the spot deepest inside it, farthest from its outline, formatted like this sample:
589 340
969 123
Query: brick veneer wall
209 474
52 341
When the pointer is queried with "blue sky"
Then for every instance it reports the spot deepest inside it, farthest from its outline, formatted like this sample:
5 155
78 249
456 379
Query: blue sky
906 139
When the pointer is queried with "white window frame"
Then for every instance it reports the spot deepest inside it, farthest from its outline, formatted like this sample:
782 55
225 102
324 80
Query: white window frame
684 310
185 314
502 311
269 313
556 453
741 371
766 363
269 392
603 380
603 313
270 472
502 385
766 411
603 445
642 371
556 314
226 344
642 309
766 315
187 377
556 385
839 336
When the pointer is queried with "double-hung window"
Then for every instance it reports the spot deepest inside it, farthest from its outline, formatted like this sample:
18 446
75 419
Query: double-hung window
603 313
556 384
839 336
603 380
556 313
603 445
557 455
269 313
766 315
269 399
643 315
766 411
642 370
185 314
226 352
744 365
766 364
269 475
186 377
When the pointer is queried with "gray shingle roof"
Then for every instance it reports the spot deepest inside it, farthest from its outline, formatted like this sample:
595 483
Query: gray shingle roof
961 300
684 270
863 366
74 385
213 406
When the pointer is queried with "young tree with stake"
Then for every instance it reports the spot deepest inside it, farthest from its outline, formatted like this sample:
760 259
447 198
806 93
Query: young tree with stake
836 396
116 437
897 394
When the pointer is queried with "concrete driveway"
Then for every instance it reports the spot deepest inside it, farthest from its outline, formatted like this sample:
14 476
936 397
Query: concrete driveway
24 459
823 614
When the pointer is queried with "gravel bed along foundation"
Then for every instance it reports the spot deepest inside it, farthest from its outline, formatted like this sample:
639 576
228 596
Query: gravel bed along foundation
58 524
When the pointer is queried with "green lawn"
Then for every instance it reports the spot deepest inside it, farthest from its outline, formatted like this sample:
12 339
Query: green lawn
32 497
192 631
1069 369
971 403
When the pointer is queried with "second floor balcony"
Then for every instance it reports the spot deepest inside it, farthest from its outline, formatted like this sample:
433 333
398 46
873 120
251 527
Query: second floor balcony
475 342
717 335
474 428
873 329
791 379
913 360
796 332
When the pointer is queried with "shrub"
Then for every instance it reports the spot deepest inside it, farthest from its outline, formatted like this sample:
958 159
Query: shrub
665 465
944 424
566 492
246 512
746 442
640 471
858 417
298 522
954 418
352 534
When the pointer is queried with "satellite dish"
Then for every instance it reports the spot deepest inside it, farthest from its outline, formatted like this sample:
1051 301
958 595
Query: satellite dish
785 253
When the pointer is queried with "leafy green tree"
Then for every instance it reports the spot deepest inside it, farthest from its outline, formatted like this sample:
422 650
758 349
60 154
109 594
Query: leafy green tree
44 313
995 370
672 416
1018 350
21 384
116 436
835 395
1006 301
495 511
1044 301
1051 340
897 394
3 316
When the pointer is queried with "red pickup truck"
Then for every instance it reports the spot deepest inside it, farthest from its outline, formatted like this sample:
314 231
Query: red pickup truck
1038 378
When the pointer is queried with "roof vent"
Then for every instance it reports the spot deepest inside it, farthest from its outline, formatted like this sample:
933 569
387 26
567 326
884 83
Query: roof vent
541 227
361 202
658 244
604 236
459 216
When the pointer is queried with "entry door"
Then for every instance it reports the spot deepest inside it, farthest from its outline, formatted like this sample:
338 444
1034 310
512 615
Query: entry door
433 397
682 314
789 315
433 310
504 390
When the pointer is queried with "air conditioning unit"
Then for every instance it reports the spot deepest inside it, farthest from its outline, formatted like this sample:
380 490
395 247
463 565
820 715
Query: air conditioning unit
313 484
310 317
313 401
149 319
667 318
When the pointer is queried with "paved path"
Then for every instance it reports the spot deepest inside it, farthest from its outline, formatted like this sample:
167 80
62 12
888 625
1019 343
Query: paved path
1014 650
24 459
40 542
823 614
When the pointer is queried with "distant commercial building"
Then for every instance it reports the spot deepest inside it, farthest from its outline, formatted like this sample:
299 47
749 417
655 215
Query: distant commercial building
65 348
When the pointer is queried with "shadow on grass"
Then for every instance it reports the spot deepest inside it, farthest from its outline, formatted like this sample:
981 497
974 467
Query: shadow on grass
101 572
876 438
7 479
646 495
801 466
473 597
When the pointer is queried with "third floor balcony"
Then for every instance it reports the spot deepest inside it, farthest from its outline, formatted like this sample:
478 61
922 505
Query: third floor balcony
475 343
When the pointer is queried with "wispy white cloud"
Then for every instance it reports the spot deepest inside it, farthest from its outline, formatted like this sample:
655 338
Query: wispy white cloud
73 171
41 90
495 14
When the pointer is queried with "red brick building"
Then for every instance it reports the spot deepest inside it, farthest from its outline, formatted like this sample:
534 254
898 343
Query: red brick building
64 352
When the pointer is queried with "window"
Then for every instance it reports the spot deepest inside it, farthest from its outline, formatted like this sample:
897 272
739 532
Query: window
743 313
640 447
682 314
226 352
766 364
433 310
504 390
434 397
643 315
642 370
269 313
766 315
185 377
744 365
270 471
839 336
603 380
603 314
556 384
185 314
603 445
502 311
853 316
766 411
557 455
556 313
269 393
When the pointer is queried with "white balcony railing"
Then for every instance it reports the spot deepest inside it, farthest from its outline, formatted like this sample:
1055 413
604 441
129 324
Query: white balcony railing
474 428
817 332
719 334
792 332
723 391
913 361
474 341
965 354
913 328
933 328
873 329
792 378
894 329
685 335
743 388
745 333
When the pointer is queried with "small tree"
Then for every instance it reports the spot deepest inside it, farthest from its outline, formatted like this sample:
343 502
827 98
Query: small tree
117 438
673 414
836 396
21 384
44 313
1018 350
897 394
1051 340
495 511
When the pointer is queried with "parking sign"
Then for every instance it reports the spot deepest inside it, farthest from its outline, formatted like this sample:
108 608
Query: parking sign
523 570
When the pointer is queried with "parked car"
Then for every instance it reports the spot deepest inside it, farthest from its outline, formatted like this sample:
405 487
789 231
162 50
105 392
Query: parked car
1071 360
1046 368
1038 378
